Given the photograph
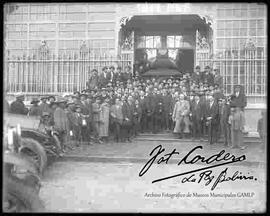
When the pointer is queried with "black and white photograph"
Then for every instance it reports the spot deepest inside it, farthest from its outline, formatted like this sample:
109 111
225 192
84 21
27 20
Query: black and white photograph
134 107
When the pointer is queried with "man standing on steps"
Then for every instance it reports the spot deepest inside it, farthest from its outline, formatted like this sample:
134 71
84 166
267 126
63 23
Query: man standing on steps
196 115
149 108
18 106
212 119
180 116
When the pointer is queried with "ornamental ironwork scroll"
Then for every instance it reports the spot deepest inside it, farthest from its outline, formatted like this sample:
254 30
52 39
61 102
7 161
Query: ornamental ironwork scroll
201 42
127 42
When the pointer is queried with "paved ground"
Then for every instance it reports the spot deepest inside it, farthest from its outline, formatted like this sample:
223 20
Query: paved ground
116 187
138 151
105 178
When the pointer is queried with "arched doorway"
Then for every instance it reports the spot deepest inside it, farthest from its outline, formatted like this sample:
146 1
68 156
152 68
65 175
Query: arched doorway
166 43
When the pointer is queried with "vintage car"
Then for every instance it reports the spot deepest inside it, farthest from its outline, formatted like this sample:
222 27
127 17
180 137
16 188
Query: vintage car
47 145
21 182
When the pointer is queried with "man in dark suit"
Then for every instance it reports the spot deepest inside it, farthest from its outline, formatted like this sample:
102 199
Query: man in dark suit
195 77
208 76
103 78
239 98
17 106
128 111
110 75
212 119
197 116
168 109
224 120
149 109
159 114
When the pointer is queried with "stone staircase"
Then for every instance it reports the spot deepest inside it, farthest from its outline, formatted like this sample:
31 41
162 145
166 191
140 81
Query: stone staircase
250 138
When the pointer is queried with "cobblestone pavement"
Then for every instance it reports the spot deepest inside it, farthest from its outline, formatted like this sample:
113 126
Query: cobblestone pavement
116 187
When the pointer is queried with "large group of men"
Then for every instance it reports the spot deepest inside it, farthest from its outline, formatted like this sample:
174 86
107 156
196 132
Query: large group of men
117 105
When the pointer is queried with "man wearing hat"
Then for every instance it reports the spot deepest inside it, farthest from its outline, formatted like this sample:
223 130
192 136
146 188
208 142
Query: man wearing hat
61 121
212 119
239 98
51 99
197 116
224 118
96 116
73 124
218 79
35 109
44 107
110 75
208 76
102 79
17 106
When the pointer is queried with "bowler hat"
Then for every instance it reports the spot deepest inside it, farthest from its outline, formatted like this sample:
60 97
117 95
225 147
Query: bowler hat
45 114
19 95
60 100
35 101
51 96
43 97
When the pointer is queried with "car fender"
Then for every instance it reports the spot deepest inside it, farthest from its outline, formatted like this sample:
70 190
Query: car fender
20 161
36 147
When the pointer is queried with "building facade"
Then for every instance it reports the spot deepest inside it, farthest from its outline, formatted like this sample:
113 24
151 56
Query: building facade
231 37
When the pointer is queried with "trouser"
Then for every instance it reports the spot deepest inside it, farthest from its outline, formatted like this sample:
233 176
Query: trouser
150 123
85 133
117 131
136 127
203 127
226 132
196 128
158 122
212 135
167 121
126 131
237 138
143 123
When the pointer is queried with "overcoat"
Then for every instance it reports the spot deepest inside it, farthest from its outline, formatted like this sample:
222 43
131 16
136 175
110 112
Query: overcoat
180 115
104 116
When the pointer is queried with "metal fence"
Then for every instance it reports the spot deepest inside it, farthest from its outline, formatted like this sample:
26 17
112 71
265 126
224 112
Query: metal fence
48 73
248 68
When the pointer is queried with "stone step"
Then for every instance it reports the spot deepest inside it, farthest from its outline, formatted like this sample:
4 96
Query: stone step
246 141
250 135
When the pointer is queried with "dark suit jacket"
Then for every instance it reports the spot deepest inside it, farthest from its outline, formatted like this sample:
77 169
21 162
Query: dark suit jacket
213 112
197 110
240 101
168 104
196 78
102 80
128 111
18 107
150 104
